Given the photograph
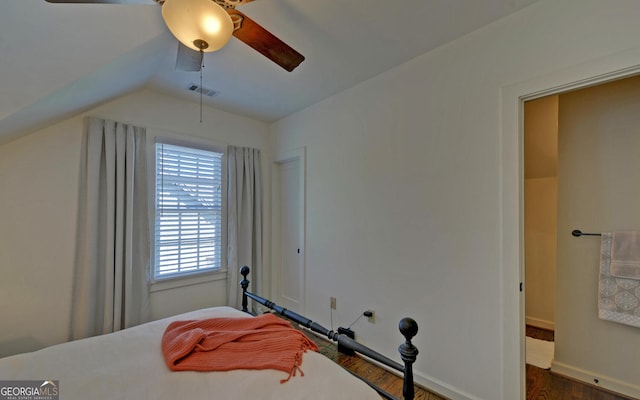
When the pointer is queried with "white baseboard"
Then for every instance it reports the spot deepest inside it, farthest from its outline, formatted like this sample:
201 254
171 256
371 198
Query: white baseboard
540 323
440 388
625 388
431 384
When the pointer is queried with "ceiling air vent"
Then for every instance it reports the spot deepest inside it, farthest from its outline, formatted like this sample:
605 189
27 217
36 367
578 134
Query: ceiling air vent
201 89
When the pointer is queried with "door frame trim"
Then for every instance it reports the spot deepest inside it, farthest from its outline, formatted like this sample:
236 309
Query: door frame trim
276 253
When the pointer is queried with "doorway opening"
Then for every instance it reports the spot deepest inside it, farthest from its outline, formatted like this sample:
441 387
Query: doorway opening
580 172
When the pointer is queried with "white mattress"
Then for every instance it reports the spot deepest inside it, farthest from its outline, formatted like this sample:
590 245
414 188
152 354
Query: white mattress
129 365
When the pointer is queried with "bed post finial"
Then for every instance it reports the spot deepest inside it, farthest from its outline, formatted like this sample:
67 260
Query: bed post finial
408 352
244 283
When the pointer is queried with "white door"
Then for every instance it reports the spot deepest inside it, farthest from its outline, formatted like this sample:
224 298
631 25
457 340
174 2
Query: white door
290 236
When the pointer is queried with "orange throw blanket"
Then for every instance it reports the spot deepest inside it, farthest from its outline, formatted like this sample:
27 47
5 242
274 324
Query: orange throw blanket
223 344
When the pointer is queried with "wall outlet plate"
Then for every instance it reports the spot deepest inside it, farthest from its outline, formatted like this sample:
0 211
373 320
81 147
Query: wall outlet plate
372 317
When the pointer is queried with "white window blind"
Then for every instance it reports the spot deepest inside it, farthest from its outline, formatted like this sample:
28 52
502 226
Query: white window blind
188 222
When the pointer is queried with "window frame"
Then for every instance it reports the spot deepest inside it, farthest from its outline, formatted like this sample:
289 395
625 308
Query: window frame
198 276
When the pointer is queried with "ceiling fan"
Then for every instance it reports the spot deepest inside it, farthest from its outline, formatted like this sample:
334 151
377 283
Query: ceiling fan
185 20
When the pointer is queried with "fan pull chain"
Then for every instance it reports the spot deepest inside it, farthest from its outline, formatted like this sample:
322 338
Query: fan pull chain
201 68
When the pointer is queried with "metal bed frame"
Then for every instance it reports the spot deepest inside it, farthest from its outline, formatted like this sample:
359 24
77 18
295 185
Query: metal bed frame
407 326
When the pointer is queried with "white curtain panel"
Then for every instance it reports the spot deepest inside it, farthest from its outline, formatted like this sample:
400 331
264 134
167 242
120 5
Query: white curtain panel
112 259
244 221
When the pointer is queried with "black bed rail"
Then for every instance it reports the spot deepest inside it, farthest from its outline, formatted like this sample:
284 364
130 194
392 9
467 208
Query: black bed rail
408 327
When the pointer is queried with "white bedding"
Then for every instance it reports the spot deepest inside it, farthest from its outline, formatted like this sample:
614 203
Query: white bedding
129 365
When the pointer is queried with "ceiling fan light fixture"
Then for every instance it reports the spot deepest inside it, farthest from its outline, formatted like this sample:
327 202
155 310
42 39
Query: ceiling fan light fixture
198 24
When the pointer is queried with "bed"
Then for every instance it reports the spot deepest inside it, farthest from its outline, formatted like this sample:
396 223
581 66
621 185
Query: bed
129 364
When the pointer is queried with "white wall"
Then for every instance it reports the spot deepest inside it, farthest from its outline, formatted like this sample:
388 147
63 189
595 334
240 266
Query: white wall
38 212
412 196
39 177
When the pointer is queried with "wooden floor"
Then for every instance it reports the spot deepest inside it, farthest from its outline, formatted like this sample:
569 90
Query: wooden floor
385 380
545 385
541 384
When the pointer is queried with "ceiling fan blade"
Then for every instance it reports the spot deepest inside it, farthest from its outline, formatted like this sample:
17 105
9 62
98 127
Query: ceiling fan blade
145 2
264 41
187 59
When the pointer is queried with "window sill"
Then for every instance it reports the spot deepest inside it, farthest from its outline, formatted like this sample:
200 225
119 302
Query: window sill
188 280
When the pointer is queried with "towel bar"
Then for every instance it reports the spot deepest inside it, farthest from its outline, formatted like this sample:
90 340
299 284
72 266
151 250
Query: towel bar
578 233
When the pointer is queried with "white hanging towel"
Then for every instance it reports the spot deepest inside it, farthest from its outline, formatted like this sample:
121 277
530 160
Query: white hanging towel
625 254
619 283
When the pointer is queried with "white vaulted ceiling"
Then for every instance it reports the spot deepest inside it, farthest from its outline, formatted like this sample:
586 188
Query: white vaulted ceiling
60 59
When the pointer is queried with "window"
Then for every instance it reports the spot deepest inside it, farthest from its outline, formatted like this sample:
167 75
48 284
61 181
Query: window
188 218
